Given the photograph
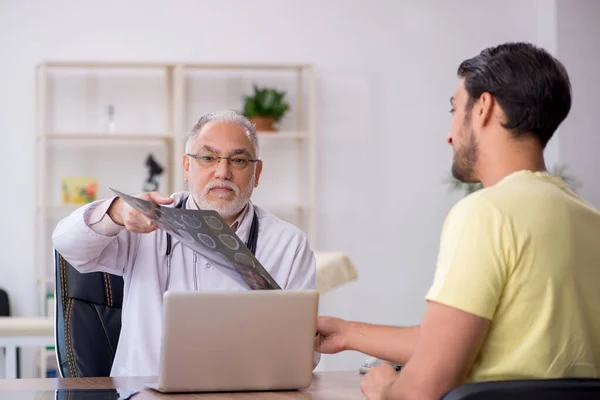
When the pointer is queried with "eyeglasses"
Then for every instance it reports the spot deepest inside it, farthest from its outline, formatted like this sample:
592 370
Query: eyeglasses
207 160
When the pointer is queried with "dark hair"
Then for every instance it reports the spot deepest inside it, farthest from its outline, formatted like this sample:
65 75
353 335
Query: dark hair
529 84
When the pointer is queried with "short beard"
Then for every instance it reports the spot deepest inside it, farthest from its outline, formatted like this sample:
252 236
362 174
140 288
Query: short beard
230 207
465 160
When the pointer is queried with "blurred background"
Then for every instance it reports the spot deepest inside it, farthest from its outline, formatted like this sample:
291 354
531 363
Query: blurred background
102 94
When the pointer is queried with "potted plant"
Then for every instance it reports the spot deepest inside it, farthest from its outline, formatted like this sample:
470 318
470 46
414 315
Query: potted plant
265 107
559 170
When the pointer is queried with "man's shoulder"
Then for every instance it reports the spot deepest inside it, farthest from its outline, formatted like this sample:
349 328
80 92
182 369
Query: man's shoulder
526 193
476 205
500 200
276 226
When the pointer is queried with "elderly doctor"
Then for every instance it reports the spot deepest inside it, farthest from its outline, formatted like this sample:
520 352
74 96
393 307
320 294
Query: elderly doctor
221 167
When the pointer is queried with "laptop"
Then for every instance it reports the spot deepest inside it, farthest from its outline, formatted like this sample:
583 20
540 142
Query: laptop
258 340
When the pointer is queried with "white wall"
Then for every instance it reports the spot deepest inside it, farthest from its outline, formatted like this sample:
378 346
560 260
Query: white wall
385 76
547 36
577 42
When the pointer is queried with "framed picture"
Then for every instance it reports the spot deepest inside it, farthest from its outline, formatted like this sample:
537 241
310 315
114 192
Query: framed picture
79 189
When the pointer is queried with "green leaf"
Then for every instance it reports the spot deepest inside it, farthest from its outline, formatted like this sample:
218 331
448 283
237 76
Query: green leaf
265 102
250 108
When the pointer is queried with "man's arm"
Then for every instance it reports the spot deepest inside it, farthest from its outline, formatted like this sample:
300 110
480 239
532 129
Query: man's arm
449 342
103 236
90 241
390 343
473 265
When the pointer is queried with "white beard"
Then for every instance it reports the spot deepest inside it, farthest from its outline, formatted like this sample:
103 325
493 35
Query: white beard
226 209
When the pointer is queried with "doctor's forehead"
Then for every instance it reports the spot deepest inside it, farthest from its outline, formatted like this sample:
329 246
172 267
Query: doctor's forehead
222 136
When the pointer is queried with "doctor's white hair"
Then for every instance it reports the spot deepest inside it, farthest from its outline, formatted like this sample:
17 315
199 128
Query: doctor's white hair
225 116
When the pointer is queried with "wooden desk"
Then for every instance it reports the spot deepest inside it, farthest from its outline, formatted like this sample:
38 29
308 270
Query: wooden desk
18 332
325 385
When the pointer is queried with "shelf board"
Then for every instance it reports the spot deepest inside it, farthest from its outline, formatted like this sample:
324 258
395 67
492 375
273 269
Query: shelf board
104 64
283 135
105 136
277 135
150 65
242 66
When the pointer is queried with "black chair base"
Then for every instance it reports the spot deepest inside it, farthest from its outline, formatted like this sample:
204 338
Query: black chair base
543 389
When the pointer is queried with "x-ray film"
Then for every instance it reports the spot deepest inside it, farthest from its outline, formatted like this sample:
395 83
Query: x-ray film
207 233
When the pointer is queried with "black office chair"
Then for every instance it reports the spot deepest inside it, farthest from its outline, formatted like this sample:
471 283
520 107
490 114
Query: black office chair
88 320
4 304
5 312
544 389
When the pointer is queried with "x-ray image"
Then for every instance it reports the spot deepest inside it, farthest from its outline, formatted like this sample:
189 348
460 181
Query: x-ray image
207 233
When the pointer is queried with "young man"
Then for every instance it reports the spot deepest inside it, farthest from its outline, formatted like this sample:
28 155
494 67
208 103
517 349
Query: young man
221 167
515 293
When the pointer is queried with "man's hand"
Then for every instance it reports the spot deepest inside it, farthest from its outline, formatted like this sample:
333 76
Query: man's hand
332 335
390 343
122 213
377 381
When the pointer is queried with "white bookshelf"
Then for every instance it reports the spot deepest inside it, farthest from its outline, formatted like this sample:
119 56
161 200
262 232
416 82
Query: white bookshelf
156 105
289 154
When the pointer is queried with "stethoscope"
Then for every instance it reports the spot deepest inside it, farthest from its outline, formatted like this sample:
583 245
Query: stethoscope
251 244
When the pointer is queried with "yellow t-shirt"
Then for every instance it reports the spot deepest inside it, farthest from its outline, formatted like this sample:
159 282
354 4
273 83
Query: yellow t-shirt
525 254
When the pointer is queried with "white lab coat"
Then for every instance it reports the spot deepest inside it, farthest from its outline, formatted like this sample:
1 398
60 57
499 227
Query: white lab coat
282 249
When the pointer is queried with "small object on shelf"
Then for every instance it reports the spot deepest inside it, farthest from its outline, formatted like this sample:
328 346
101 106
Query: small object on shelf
265 108
264 124
79 189
154 169
50 305
110 110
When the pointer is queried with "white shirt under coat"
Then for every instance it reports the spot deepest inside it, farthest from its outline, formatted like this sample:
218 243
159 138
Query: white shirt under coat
91 242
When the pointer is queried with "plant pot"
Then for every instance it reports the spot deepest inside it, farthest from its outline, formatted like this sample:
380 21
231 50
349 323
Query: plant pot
264 124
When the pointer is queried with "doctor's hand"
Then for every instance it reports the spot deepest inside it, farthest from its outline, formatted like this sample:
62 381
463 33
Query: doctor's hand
122 213
332 335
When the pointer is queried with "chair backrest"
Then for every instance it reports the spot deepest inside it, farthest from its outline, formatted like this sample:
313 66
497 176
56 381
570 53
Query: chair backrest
4 304
88 320
547 389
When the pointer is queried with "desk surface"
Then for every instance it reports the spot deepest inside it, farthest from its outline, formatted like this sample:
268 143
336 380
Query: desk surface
24 326
325 385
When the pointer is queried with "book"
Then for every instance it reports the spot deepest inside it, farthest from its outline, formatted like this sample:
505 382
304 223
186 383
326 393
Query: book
79 189
207 233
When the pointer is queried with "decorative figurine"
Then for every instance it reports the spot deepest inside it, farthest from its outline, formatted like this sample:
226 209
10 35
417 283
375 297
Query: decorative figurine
110 110
154 169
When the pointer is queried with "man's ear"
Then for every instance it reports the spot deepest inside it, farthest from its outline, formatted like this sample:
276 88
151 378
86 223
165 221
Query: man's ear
484 109
259 167
186 167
